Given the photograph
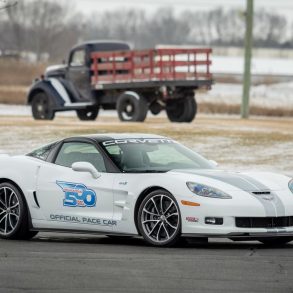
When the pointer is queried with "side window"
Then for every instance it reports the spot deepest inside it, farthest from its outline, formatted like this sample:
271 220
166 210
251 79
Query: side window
72 152
43 152
78 58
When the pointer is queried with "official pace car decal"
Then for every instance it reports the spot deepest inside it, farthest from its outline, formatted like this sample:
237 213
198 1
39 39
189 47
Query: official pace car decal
82 220
77 195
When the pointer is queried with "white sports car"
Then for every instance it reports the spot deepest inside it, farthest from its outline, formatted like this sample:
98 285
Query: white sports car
134 184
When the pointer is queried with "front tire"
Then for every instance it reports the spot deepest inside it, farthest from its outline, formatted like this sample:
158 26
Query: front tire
88 114
182 110
42 108
132 107
279 241
159 219
14 217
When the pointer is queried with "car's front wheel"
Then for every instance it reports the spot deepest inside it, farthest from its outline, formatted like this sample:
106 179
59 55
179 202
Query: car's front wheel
159 219
278 241
14 221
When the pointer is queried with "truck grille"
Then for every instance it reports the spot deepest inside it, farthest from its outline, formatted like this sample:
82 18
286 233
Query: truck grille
267 222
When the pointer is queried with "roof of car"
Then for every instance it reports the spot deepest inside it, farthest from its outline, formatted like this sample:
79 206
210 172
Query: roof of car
111 136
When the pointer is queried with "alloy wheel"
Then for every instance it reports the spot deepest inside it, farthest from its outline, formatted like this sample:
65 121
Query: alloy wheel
9 211
160 218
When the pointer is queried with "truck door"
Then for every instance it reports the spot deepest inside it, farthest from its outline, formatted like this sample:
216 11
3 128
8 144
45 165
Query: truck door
79 74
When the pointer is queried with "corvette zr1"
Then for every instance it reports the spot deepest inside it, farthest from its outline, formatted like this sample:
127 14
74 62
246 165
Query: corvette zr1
137 184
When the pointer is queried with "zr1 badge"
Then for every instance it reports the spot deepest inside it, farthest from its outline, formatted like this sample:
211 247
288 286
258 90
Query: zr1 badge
77 195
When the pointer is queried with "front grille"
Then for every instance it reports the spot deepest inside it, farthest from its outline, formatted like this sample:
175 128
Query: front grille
267 222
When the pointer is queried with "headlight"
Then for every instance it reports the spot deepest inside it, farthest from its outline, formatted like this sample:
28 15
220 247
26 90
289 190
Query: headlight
207 191
290 184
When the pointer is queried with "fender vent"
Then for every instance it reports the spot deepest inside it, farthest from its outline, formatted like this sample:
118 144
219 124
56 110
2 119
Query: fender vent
261 192
36 199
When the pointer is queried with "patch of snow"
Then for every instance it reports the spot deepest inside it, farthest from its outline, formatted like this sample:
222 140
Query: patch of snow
272 95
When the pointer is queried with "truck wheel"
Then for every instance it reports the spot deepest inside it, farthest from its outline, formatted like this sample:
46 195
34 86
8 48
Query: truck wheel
182 110
88 114
42 108
132 107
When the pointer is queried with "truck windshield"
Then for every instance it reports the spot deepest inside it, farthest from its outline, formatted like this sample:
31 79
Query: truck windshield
153 155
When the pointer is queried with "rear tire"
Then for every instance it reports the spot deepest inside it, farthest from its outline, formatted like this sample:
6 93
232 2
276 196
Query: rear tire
42 107
132 107
88 114
279 241
182 110
159 219
14 215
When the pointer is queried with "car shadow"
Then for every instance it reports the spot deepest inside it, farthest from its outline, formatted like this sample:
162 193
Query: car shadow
212 244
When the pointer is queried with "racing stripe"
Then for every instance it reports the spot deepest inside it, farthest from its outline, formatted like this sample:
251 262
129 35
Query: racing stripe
280 207
249 185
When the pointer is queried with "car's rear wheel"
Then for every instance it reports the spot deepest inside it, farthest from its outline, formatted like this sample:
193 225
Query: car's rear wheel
278 241
88 114
14 218
159 219
132 107
182 110
42 108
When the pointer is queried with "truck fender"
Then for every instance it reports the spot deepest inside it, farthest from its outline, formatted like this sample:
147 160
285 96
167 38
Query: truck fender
55 90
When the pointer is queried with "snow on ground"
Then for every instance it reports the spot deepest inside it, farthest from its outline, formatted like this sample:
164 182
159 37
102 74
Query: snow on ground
259 143
270 96
269 66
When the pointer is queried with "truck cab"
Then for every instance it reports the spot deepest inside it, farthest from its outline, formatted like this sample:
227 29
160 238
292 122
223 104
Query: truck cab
68 86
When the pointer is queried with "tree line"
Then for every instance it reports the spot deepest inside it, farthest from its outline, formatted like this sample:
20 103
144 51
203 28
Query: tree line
53 27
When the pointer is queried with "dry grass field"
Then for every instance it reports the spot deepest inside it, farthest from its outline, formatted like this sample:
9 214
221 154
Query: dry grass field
259 143
16 77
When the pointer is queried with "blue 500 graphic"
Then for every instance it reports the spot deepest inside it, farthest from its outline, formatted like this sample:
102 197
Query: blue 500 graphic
77 195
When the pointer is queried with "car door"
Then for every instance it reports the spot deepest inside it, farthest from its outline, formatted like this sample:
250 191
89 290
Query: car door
79 74
76 200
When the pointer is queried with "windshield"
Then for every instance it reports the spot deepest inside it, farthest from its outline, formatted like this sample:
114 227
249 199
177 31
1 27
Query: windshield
152 155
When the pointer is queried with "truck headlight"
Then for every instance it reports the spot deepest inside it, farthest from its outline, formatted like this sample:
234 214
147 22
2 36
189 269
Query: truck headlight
290 185
207 191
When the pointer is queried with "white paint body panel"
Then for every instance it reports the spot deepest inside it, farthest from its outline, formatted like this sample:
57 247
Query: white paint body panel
117 194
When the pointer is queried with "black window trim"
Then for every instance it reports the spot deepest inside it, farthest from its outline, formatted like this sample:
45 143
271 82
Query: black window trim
53 144
109 165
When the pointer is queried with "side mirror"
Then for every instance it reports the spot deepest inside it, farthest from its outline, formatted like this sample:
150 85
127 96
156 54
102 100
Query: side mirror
214 163
86 167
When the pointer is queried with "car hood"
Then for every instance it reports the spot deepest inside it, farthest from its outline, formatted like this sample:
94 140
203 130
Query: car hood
234 180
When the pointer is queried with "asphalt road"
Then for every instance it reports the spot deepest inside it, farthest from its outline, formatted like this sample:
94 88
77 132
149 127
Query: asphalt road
74 263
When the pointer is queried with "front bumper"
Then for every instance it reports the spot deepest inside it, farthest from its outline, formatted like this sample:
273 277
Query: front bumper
242 236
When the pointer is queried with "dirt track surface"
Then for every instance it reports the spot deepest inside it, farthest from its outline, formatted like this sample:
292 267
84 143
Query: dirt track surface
258 143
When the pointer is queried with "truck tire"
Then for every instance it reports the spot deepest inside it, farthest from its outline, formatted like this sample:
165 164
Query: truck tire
182 110
42 107
132 107
88 114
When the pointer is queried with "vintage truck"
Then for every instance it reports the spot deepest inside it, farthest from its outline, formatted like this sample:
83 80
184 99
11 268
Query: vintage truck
109 75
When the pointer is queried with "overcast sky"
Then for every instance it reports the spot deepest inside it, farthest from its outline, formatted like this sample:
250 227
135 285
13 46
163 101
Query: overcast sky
284 7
